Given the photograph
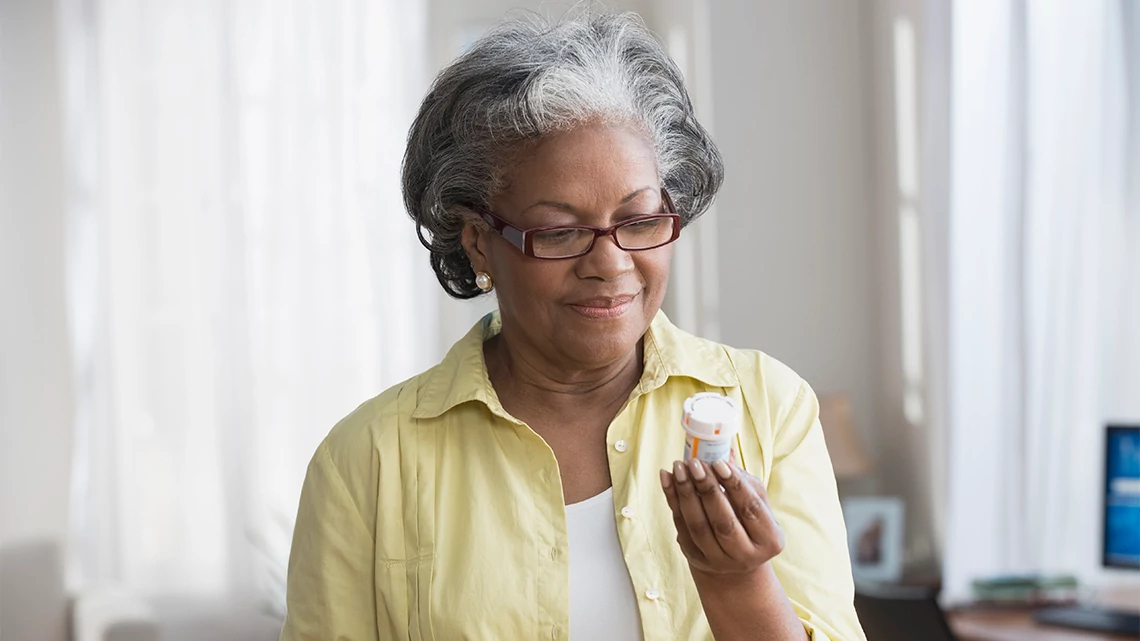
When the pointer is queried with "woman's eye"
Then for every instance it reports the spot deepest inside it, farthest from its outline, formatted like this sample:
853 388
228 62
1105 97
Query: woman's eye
644 225
556 235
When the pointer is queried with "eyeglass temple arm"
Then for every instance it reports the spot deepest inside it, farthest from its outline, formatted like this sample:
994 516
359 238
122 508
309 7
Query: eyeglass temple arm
514 235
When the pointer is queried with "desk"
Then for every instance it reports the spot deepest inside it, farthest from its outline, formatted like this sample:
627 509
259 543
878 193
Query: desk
1016 625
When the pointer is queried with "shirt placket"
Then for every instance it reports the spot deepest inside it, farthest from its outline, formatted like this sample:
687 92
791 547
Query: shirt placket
552 551
551 567
632 488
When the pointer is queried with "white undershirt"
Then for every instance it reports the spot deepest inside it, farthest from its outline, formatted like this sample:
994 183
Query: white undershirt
603 604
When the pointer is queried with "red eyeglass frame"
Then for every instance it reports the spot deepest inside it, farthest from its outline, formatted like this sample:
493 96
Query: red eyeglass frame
523 239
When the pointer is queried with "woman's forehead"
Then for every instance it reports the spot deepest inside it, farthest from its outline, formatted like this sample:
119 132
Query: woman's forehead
584 168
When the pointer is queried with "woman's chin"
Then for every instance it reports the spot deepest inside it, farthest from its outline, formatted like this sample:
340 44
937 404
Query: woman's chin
602 347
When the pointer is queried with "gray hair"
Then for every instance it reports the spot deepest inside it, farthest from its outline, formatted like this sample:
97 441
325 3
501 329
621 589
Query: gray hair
528 79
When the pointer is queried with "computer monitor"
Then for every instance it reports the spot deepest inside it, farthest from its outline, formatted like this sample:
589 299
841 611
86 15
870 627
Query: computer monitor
1122 497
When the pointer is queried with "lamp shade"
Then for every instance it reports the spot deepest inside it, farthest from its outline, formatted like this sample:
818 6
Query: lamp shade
848 457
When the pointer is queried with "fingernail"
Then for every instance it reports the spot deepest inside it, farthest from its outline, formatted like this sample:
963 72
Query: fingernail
698 469
664 480
679 472
722 470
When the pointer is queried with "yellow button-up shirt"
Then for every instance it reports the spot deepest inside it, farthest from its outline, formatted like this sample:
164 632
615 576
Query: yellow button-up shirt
432 513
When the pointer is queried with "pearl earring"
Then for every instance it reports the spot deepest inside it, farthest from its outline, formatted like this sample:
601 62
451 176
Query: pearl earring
483 281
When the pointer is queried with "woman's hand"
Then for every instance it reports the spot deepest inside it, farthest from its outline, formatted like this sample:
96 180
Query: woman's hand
722 532
729 537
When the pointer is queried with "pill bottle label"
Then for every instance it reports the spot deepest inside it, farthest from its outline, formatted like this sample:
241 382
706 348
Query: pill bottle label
710 451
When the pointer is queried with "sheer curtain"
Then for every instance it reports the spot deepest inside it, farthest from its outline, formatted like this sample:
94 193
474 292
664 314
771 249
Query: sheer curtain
1044 280
242 272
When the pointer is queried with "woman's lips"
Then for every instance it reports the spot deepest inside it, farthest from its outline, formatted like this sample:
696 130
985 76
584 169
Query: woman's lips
603 306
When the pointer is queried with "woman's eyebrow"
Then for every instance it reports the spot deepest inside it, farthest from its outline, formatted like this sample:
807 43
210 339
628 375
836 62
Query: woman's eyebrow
635 194
570 208
550 203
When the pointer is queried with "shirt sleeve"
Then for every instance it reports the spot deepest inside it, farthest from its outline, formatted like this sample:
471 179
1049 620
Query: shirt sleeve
330 591
814 568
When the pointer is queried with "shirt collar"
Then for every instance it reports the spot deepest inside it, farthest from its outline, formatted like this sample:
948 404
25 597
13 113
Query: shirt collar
462 375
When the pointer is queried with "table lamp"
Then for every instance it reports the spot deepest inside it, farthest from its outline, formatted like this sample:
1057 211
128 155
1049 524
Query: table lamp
848 457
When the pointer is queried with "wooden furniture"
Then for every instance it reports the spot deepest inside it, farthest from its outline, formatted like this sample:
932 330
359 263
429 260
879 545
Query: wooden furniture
896 611
1016 625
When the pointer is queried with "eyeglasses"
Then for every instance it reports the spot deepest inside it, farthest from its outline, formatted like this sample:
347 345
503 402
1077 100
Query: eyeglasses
570 241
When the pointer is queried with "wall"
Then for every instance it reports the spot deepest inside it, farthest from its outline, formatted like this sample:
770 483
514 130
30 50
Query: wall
909 464
791 106
35 374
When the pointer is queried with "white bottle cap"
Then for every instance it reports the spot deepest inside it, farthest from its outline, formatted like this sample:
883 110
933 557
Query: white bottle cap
710 416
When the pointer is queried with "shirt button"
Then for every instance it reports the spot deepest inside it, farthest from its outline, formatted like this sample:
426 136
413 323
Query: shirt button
553 553
554 632
621 446
652 595
627 512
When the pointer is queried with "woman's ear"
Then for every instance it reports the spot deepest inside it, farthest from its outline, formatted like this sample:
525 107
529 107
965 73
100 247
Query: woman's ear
475 243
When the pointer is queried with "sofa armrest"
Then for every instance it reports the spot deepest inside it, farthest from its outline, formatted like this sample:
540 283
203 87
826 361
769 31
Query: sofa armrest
112 615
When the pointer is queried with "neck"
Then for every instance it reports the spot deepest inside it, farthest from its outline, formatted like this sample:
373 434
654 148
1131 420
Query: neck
525 377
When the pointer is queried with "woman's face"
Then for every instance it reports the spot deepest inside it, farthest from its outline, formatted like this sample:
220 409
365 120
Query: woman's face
591 310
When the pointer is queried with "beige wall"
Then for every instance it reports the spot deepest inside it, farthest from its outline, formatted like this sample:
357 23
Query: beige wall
796 228
35 377
910 466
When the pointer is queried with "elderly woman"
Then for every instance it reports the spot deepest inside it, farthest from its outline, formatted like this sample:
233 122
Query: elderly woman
526 487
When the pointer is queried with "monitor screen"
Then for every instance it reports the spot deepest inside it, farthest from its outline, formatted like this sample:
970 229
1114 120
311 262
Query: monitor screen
1122 497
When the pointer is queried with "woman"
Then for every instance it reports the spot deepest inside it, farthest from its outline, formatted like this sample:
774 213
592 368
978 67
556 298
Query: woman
526 487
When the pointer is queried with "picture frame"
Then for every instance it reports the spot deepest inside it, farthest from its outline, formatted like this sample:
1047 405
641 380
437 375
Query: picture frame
875 537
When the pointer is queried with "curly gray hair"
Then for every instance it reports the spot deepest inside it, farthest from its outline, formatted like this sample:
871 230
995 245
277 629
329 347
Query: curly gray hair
528 79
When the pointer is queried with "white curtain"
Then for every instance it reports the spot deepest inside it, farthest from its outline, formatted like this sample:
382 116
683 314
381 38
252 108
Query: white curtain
242 272
1044 280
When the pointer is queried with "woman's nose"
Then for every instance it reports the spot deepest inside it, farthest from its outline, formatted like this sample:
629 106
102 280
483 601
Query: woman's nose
605 260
